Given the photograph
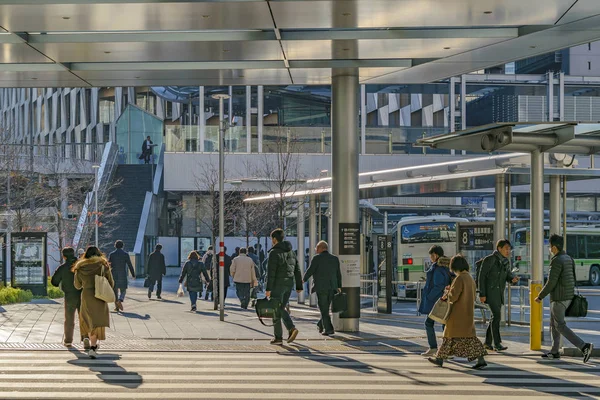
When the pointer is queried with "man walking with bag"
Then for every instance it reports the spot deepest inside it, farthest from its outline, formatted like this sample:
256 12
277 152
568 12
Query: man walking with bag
156 270
283 270
119 261
561 287
495 272
244 277
325 270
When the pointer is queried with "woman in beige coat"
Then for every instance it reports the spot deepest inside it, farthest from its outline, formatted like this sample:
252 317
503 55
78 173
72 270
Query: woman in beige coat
460 338
94 316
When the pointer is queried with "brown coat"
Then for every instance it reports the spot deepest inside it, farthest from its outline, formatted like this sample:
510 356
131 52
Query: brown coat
94 312
461 296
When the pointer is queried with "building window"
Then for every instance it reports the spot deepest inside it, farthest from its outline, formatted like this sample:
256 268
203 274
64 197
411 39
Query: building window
589 46
589 65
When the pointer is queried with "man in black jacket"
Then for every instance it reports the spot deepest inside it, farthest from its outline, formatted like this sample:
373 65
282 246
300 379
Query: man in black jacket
119 262
156 270
283 271
561 288
495 273
63 277
325 270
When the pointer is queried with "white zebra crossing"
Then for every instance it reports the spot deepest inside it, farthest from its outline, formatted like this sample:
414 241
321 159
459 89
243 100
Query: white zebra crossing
211 375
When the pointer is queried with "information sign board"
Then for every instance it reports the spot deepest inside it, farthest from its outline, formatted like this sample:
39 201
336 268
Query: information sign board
28 266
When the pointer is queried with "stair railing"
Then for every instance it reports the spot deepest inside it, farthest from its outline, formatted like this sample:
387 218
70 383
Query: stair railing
85 225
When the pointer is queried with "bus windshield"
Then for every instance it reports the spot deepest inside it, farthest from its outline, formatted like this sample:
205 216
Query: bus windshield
429 232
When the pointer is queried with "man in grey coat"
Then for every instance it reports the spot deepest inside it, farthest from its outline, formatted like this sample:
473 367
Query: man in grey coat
119 262
325 270
156 270
561 288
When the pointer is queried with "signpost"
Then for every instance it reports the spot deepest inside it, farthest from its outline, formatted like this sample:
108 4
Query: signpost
384 274
29 254
349 256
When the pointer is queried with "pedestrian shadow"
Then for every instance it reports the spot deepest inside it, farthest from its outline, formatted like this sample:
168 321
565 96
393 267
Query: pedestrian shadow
134 315
108 371
550 383
250 328
167 301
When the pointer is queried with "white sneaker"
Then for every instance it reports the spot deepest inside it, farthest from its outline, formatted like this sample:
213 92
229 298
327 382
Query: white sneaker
429 353
92 354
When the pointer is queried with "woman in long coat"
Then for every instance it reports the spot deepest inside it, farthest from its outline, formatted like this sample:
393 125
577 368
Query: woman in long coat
460 338
192 269
93 317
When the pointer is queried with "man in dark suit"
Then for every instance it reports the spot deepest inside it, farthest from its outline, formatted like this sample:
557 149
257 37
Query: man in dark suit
325 270
147 150
156 270
119 261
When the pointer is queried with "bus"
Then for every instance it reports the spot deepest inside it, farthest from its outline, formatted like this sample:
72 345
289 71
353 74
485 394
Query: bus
583 244
414 236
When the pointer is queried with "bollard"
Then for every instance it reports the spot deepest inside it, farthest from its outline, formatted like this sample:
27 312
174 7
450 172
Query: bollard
536 311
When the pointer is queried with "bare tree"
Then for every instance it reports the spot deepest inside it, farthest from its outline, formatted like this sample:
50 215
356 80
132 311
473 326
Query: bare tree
280 172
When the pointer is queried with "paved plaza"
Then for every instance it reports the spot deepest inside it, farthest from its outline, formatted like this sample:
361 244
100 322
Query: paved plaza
161 350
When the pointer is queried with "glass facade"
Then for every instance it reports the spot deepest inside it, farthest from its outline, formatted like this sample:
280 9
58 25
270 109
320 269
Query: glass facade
132 128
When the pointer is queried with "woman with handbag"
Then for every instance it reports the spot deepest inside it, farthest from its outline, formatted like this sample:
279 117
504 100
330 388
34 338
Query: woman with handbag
438 277
460 338
192 269
93 317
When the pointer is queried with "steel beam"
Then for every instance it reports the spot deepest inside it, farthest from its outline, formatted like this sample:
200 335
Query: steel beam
500 206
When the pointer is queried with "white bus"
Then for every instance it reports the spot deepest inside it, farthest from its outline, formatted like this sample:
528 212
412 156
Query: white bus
414 236
583 244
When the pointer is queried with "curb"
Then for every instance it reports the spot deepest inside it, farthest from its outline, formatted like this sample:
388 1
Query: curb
575 352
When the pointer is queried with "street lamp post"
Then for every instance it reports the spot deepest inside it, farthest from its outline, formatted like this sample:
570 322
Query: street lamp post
96 185
221 97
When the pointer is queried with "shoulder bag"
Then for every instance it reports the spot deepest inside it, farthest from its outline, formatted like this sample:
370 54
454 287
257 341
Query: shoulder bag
579 305
266 308
440 311
103 290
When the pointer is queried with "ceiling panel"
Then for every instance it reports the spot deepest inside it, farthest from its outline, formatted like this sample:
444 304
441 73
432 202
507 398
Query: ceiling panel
581 9
40 79
130 16
188 77
20 53
322 76
392 48
416 13
162 51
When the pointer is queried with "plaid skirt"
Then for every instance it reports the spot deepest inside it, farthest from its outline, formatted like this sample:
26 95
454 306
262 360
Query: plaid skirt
470 348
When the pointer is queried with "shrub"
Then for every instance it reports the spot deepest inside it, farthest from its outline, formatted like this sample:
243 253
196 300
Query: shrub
54 292
9 295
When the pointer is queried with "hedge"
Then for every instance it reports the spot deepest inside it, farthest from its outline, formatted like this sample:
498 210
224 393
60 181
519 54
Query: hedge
9 295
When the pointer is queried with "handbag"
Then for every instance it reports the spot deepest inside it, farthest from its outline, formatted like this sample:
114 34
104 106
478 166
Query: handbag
103 290
147 282
266 308
339 303
440 311
579 305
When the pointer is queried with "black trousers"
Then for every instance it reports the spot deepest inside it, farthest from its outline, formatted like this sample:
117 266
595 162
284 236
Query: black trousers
158 283
492 335
324 299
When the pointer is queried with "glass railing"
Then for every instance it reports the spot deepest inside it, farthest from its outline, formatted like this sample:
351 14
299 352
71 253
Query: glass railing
91 152
313 140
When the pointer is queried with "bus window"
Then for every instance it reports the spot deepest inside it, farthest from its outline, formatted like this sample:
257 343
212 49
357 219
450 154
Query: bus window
429 232
572 246
593 246
521 238
581 246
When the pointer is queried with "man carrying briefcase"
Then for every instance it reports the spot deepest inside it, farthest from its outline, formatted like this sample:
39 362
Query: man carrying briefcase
325 270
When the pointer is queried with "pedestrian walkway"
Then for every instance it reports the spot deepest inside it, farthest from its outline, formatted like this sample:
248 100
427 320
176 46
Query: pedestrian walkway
181 375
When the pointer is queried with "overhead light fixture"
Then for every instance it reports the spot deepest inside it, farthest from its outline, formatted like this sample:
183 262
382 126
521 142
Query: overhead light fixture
35 79
346 49
107 52
66 17
446 48
532 47
206 16
225 50
487 12
346 14
137 77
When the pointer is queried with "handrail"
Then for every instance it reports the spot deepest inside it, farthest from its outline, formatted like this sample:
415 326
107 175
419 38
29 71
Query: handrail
160 166
139 240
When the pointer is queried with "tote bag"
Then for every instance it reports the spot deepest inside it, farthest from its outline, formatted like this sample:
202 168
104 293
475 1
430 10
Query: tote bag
104 291
440 311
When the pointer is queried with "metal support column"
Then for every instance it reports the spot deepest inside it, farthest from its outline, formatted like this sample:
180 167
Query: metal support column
248 119
561 96
363 119
312 243
564 210
508 208
221 98
385 223
452 106
201 120
555 205
537 248
500 205
301 246
344 172
463 104
259 117
550 96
